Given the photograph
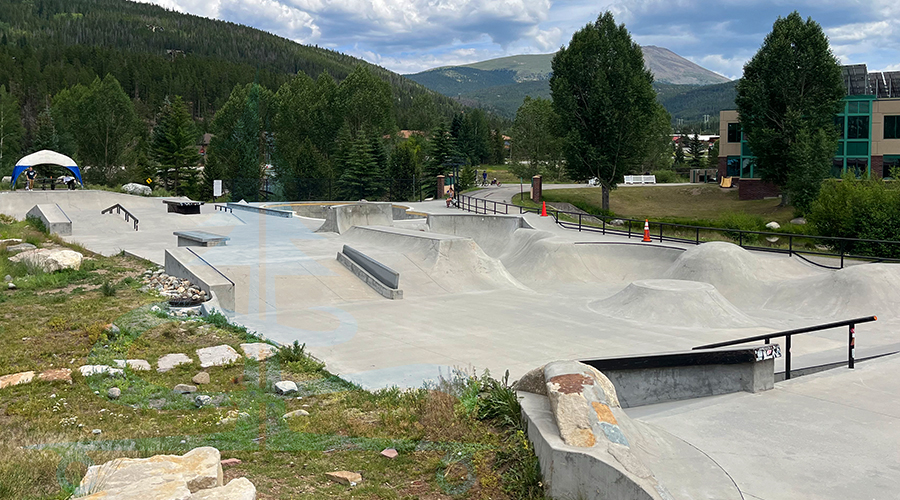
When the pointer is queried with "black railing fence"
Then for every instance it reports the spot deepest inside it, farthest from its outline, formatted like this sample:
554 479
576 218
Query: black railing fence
831 251
787 334
273 189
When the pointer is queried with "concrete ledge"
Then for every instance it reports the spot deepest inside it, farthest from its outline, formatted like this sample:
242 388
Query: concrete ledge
341 218
53 217
657 378
383 273
200 239
378 286
287 214
201 274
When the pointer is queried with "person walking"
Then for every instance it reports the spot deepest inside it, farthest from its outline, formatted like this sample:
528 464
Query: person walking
30 175
484 178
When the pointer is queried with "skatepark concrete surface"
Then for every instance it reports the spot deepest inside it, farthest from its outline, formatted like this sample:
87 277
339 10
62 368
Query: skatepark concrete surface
513 293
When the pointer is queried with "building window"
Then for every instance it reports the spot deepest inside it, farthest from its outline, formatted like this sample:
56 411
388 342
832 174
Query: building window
859 166
747 168
858 127
857 148
839 125
733 166
837 167
892 127
734 132
891 166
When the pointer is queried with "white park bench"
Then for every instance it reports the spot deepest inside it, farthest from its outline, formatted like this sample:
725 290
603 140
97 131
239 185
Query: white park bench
640 179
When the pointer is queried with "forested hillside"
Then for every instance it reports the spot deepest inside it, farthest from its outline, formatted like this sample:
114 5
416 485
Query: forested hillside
49 45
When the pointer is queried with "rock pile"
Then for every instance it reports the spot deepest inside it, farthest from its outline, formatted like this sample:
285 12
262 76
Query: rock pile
173 287
193 476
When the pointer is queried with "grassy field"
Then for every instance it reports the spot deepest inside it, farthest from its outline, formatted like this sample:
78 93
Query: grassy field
459 439
686 204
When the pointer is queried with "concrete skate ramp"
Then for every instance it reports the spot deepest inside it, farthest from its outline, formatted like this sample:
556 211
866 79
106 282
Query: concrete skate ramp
491 232
431 263
340 218
538 257
675 303
743 277
861 290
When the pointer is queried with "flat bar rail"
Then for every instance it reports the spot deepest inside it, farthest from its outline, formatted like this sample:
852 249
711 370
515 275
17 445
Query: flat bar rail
119 209
743 238
787 334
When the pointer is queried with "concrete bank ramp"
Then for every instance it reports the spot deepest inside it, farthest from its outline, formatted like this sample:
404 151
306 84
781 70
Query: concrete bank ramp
431 263
860 290
493 233
340 218
743 277
675 303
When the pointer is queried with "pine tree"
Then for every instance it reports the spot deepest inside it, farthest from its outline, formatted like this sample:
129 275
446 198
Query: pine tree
679 151
440 151
45 136
695 151
173 148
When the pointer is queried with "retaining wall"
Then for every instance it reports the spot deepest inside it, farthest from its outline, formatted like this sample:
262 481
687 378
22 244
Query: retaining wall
181 263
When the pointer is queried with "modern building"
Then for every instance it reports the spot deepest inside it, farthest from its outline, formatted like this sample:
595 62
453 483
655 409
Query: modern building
869 126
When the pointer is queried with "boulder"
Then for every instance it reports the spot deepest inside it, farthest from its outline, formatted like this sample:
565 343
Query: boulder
295 413
16 379
185 389
237 489
773 225
581 400
49 260
137 189
138 365
217 355
798 221
56 375
200 378
114 393
88 370
230 461
285 387
10 241
21 247
170 361
157 477
390 453
345 477
202 400
258 350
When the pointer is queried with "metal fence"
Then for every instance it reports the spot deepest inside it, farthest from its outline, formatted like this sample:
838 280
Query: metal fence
824 251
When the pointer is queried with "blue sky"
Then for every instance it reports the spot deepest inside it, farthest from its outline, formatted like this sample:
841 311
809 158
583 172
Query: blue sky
413 35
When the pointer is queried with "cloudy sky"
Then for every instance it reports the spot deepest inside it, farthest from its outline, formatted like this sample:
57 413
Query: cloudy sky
413 35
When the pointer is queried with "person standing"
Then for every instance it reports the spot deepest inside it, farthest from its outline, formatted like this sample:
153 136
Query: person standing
30 175
484 178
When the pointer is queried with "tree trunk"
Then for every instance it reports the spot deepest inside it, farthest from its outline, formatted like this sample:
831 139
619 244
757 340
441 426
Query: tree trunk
785 199
605 196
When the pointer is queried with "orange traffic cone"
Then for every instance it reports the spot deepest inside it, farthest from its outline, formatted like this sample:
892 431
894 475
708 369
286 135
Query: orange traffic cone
544 209
647 230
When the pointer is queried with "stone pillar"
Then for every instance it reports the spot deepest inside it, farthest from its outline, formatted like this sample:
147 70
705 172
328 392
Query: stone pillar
722 167
440 187
536 189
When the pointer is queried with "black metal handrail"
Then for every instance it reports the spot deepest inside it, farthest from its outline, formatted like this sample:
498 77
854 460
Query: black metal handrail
787 334
119 209
484 206
210 265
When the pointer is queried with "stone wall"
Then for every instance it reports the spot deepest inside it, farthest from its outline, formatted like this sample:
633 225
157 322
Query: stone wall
756 189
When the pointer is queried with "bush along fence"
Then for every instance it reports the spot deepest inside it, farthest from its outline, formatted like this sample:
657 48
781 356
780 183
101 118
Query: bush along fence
824 251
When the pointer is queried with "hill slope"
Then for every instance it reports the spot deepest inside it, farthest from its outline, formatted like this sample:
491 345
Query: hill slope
501 84
49 45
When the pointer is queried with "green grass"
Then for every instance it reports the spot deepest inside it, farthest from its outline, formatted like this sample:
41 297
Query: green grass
453 443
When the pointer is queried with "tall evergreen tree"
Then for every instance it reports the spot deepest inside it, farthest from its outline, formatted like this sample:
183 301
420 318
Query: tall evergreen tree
11 131
405 168
441 149
604 97
45 136
173 148
695 151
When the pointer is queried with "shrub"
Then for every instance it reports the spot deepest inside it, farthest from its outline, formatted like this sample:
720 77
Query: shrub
864 208
108 289
667 177
743 222
295 357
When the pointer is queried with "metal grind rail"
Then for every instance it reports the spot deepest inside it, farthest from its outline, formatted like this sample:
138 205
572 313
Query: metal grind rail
743 238
787 334
119 209
210 265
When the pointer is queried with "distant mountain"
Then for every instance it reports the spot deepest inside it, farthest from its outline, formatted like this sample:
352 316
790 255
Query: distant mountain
502 84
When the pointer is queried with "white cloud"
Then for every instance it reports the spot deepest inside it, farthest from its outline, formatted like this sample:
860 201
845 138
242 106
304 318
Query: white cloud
731 67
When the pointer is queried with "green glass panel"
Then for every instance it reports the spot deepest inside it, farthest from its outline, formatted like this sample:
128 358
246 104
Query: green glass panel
857 149
745 150
863 107
840 149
